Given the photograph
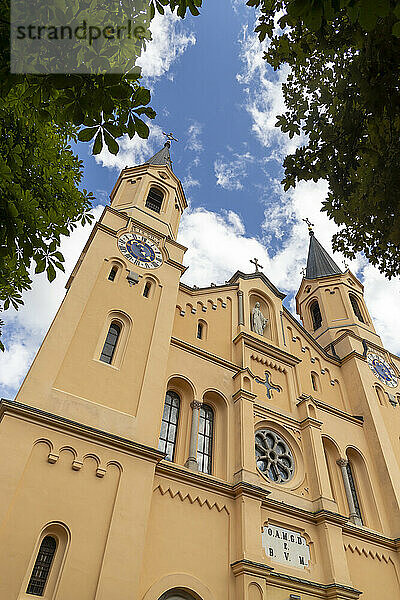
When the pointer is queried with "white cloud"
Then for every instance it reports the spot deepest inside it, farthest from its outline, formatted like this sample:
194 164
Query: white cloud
193 133
230 174
24 329
169 41
263 96
189 182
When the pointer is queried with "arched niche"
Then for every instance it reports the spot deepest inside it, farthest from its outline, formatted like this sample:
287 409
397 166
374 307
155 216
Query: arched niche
332 454
364 489
182 582
255 592
267 309
219 405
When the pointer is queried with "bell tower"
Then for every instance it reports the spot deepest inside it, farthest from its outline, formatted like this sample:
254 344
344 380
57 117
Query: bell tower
330 302
103 359
151 193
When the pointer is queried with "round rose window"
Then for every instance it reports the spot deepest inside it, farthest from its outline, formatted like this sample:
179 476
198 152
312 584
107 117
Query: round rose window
274 457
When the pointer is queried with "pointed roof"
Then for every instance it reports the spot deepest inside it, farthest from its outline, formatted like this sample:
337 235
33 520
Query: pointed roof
319 263
162 157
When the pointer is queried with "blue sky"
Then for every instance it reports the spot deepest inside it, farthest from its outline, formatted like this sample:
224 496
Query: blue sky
212 89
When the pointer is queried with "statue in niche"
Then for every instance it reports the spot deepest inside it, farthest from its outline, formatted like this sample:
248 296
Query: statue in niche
258 321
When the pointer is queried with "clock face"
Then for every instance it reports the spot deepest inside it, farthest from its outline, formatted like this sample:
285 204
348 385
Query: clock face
382 369
140 250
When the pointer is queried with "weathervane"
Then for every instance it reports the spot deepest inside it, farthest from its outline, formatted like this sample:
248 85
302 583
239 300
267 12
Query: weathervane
310 225
170 137
256 264
303 271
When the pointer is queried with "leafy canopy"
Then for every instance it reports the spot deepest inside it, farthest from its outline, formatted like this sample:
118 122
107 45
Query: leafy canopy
343 93
40 199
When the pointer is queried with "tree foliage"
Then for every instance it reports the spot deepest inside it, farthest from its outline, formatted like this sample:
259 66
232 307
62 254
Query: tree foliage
343 93
40 199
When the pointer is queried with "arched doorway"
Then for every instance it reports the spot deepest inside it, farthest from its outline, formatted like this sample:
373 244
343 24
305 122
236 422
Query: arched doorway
177 594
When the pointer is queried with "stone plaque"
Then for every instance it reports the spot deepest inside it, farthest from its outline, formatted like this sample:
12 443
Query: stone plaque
285 546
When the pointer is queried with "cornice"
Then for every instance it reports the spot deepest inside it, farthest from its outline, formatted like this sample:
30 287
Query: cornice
249 567
258 275
41 417
356 420
176 265
313 341
204 354
373 537
261 346
331 590
206 290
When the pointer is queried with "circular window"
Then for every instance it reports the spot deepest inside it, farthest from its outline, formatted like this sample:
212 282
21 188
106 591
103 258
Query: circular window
274 457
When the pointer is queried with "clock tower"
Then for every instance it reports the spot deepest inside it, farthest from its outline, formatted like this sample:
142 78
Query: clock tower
123 286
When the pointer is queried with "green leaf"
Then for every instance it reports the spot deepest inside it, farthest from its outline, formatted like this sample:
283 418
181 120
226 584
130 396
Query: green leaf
98 144
51 273
141 128
85 135
112 145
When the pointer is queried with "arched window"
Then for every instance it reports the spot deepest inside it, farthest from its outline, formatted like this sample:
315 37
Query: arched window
205 439
41 569
154 199
112 273
110 344
314 381
316 315
146 290
169 425
200 330
353 490
356 308
176 595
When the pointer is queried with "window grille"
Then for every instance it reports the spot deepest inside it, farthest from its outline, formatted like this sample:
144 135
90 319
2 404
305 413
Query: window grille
205 439
354 491
42 566
199 330
112 273
169 425
154 199
316 315
110 343
356 308
273 456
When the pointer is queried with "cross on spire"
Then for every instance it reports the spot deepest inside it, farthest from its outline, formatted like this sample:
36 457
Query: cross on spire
310 225
169 137
256 264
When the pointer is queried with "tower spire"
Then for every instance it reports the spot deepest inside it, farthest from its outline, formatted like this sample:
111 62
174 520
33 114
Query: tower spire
319 263
162 157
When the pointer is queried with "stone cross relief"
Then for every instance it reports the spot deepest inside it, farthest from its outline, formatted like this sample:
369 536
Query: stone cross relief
268 384
258 321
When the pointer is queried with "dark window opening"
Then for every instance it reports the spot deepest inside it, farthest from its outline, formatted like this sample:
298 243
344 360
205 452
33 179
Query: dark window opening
205 439
356 308
314 382
354 491
113 273
199 330
110 343
146 290
42 566
169 425
154 199
316 315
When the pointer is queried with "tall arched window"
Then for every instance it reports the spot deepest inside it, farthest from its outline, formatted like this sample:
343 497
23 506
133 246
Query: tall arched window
356 308
110 344
353 490
41 569
205 439
146 289
316 315
169 425
199 330
154 199
112 273
314 382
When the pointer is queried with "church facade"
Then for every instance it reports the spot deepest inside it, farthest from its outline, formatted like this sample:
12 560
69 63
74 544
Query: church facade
181 443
